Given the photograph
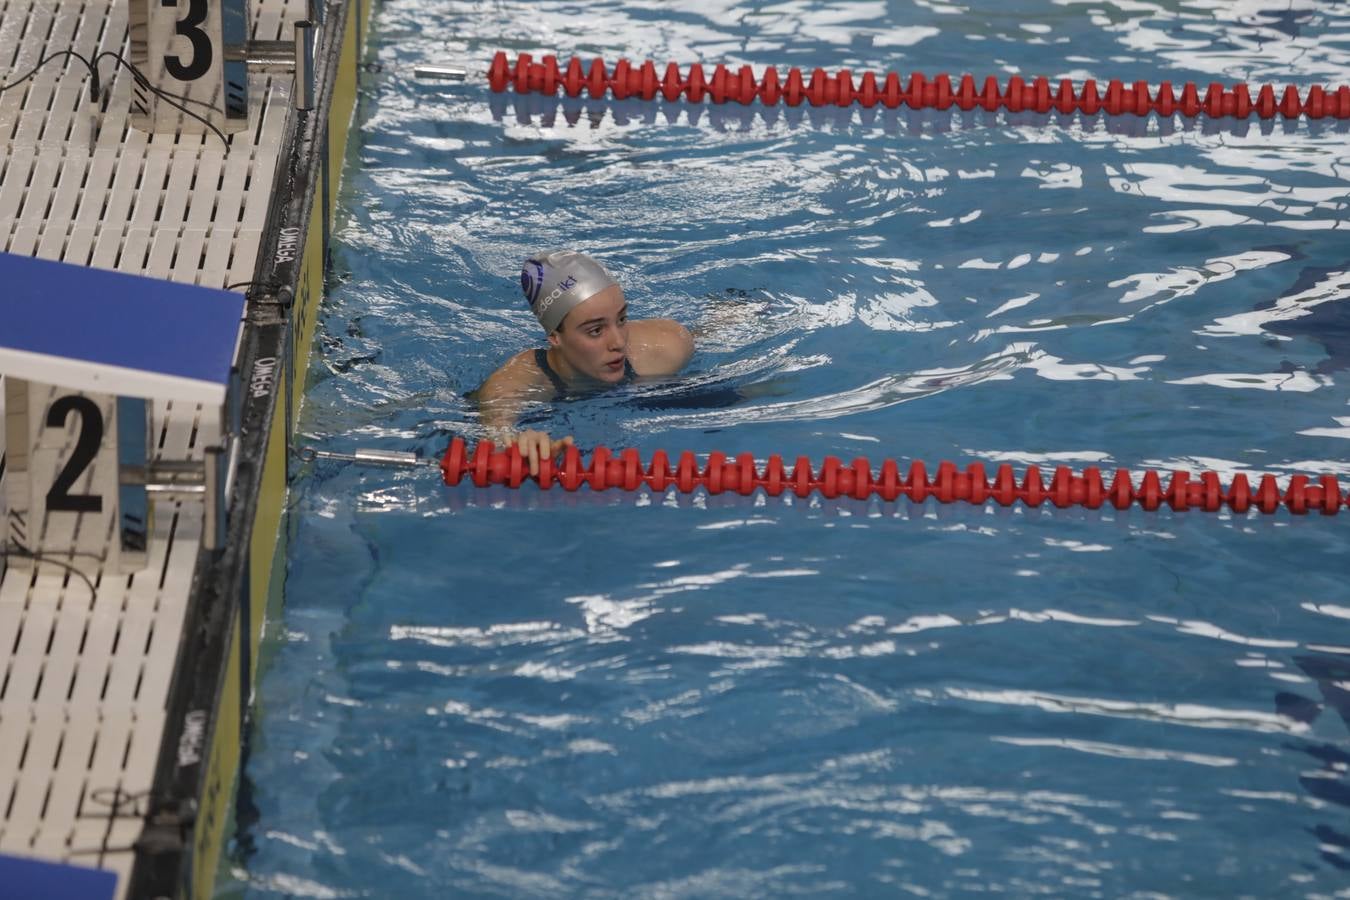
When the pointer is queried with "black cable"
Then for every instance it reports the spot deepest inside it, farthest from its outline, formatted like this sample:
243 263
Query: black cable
93 70
119 799
262 284
139 77
25 553
90 851
115 799
136 74
167 97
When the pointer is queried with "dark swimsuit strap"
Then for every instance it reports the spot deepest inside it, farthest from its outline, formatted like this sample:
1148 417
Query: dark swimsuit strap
541 360
560 388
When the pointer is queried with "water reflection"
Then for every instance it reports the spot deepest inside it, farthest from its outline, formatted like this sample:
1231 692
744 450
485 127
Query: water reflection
535 111
1329 782
1317 307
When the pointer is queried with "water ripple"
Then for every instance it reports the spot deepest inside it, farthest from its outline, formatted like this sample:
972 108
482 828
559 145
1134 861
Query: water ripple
519 693
1187 714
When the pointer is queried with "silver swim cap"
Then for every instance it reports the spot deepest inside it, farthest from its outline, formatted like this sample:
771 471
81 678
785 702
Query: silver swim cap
556 282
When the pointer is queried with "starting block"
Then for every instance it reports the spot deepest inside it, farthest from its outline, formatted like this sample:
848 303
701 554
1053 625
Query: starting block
23 877
83 353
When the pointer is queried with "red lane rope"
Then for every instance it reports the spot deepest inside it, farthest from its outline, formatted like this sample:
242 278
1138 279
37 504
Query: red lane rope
824 89
484 465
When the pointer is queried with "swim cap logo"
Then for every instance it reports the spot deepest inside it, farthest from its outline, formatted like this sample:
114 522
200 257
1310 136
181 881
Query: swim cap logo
532 281
563 287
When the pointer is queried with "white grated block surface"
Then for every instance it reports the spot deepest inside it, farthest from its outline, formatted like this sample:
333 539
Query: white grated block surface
84 686
84 676
66 161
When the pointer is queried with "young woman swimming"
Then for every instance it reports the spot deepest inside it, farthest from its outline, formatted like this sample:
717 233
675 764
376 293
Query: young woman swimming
592 344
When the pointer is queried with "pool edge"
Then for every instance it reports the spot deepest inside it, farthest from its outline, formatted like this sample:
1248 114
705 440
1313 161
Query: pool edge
197 767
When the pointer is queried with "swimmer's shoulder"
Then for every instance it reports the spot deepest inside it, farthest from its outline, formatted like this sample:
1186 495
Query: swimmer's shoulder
659 346
519 375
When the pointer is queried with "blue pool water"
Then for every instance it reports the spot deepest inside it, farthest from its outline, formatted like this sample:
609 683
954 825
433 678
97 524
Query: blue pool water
520 694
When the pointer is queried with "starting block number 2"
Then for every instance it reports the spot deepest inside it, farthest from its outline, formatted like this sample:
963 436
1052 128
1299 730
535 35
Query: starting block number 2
82 456
62 477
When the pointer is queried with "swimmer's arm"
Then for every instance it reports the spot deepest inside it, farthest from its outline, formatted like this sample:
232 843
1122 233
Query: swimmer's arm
659 346
505 393
501 399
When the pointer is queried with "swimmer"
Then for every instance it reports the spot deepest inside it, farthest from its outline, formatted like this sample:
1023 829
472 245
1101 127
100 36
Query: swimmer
591 345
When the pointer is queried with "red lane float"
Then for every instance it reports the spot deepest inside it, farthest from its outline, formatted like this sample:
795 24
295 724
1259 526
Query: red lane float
824 89
484 465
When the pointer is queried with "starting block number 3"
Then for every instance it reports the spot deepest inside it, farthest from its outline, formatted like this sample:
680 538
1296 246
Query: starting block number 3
180 46
198 61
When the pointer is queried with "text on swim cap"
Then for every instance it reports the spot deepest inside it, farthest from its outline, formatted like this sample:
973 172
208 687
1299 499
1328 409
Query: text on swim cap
563 287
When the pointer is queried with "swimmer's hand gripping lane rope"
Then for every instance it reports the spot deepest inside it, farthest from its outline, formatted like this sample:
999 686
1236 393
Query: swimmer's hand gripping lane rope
824 89
484 465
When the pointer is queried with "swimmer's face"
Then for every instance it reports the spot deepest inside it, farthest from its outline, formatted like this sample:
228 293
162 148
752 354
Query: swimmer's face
593 337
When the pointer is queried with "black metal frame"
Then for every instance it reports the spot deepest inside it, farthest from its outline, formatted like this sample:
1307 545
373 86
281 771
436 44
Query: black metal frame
219 602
